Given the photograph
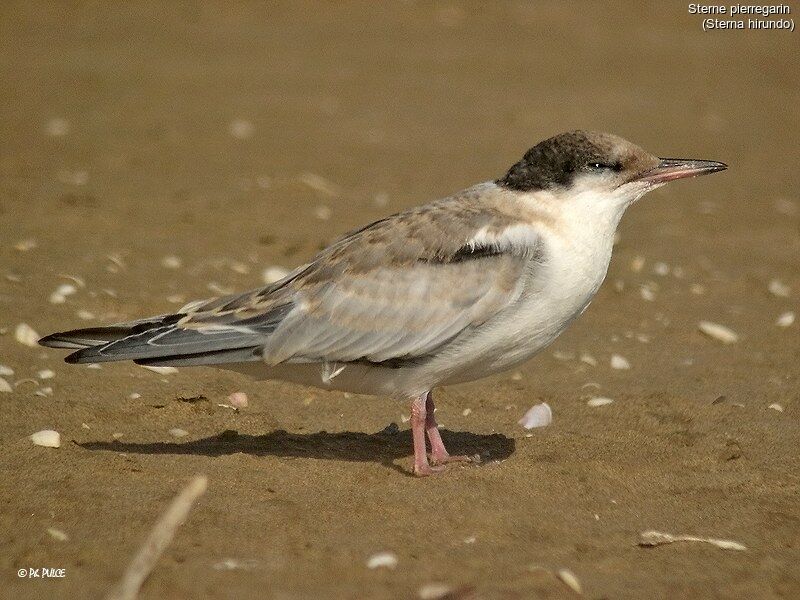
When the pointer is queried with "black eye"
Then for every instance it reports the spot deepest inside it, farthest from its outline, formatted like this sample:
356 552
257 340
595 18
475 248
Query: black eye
601 166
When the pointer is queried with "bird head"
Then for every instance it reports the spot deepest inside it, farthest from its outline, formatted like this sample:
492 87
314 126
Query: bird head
598 169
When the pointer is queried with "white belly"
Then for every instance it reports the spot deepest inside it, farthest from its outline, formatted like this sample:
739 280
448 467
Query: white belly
556 293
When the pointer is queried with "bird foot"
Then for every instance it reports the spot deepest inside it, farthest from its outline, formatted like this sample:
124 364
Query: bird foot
424 470
443 459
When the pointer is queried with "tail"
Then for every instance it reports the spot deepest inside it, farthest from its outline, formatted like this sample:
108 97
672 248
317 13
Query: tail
163 341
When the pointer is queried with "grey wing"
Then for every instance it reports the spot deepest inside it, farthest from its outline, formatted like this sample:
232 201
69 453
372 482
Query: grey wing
398 289
394 313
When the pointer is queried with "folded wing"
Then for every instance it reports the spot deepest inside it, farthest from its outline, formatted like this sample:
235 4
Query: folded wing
396 290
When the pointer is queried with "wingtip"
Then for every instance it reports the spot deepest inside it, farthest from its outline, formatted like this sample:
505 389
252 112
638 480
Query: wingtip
73 358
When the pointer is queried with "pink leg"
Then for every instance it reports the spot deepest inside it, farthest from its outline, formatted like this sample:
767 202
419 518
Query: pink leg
418 421
439 454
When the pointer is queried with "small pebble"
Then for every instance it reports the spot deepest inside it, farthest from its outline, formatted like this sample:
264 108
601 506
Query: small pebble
595 402
786 207
61 293
171 262
434 591
323 213
238 400
44 392
26 335
697 289
466 412
85 315
273 274
25 245
619 362
57 127
241 129
134 396
661 269
776 406
647 293
6 371
45 374
57 534
47 438
178 432
5 387
77 177
718 332
786 319
540 415
637 264
777 288
386 560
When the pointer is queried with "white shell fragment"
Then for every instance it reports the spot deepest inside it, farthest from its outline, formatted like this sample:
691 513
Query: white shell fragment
386 560
241 129
47 438
26 335
61 293
786 319
570 580
178 432
323 213
171 262
619 362
434 591
6 371
777 288
5 387
46 374
595 402
25 245
657 538
57 534
539 415
273 274
238 400
233 564
776 406
319 184
718 332
161 370
57 127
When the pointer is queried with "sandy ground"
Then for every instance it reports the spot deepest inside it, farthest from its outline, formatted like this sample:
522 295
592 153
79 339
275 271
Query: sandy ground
189 131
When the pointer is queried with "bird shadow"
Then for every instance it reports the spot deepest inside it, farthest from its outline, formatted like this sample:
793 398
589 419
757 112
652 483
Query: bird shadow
383 447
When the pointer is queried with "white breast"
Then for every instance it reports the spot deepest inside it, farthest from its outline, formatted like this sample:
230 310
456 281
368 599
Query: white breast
557 291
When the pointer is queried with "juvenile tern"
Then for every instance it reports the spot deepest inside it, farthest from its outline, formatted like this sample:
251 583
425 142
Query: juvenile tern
443 293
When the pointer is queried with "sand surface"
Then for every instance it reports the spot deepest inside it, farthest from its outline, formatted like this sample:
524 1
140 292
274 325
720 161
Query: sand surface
240 138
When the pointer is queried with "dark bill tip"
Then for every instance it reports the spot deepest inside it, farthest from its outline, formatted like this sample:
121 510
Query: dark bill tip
670 169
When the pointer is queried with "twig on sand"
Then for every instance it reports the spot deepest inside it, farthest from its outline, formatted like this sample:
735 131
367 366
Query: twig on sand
657 538
158 540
